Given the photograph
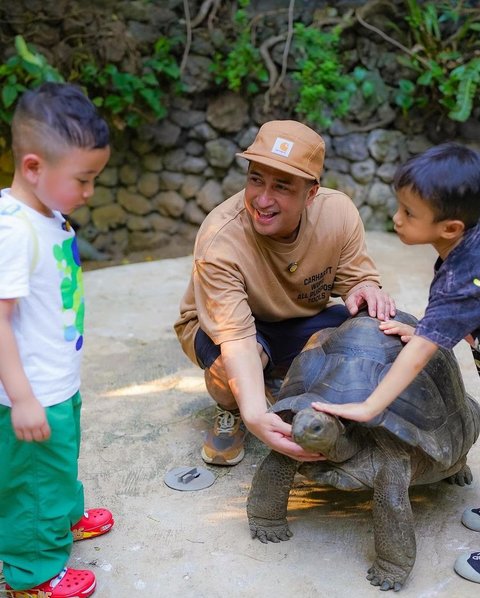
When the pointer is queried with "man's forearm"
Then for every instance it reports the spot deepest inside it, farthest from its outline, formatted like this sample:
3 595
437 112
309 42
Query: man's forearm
245 376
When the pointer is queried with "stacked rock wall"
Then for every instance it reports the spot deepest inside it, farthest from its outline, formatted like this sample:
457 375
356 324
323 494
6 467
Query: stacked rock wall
164 177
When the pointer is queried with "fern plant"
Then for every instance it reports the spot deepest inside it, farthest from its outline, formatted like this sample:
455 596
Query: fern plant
447 65
464 81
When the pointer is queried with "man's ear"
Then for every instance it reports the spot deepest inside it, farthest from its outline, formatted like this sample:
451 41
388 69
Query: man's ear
452 229
312 192
31 166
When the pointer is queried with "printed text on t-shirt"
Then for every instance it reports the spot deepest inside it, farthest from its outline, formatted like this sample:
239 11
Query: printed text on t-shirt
317 288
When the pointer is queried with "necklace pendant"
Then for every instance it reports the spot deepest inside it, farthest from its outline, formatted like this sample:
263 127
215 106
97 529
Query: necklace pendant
292 267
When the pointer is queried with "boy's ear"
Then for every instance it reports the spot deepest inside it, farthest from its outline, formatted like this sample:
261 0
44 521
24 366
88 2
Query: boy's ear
453 229
31 166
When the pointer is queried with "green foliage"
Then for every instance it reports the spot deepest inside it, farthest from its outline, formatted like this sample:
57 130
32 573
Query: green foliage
446 64
128 99
363 81
405 95
22 71
464 81
325 89
241 67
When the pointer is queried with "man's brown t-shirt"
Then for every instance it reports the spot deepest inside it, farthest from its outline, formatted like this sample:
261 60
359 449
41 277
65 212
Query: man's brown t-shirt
239 275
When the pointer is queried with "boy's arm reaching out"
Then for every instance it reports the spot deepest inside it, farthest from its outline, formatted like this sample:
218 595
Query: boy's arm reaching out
28 415
409 362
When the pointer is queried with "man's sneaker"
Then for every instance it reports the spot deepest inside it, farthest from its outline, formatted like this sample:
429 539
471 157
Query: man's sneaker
94 522
70 583
224 442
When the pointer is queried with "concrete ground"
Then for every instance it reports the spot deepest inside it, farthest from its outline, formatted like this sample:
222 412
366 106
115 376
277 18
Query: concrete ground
145 413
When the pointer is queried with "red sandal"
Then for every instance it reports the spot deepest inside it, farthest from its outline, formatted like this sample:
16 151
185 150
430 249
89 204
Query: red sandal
94 522
70 583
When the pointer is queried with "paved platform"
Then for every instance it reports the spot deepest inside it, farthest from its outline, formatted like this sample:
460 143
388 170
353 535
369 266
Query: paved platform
145 412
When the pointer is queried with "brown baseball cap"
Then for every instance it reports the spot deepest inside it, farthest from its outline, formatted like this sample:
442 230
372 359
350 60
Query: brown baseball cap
289 146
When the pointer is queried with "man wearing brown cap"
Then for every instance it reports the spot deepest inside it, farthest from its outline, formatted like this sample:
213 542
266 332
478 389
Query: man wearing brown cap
267 262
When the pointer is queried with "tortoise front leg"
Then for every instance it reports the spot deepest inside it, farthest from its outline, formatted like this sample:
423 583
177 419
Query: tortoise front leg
268 498
393 523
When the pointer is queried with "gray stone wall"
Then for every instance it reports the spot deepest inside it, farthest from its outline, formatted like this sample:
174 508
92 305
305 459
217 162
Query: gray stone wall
157 189
165 177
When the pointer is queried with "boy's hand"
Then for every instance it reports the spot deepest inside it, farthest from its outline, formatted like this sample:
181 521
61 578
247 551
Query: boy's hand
29 421
404 331
360 412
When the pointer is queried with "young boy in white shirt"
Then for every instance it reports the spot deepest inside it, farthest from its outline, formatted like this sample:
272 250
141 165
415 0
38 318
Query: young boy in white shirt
60 144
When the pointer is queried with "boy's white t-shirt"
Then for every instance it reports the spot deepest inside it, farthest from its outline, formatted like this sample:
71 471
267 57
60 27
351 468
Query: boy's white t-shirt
40 267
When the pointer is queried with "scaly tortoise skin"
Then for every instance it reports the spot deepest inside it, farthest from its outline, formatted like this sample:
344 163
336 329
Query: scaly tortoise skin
423 437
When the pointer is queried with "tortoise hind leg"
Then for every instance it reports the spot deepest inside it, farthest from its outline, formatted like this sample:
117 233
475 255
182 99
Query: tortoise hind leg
268 498
461 477
392 520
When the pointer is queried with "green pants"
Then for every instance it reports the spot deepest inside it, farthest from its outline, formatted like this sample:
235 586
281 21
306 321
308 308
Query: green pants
40 496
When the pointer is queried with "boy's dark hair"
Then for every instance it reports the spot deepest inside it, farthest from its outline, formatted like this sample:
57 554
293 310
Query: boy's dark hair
447 176
57 114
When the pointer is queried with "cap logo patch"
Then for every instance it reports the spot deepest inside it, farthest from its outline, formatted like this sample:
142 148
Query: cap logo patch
282 147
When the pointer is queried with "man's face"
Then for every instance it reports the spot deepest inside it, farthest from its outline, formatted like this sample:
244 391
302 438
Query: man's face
414 220
275 201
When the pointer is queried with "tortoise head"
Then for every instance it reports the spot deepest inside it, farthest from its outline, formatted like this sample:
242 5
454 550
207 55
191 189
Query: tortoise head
316 432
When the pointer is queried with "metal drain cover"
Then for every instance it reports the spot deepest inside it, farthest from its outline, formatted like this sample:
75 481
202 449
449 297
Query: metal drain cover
189 478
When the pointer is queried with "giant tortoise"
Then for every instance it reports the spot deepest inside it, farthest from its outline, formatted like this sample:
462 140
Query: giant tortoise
423 437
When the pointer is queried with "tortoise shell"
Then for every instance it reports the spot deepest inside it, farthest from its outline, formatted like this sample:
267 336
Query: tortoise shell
345 364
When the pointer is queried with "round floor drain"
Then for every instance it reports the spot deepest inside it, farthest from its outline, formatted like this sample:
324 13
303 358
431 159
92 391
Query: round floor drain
189 478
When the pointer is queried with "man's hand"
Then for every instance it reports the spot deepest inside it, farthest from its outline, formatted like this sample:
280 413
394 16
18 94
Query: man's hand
360 412
380 304
404 331
29 421
274 432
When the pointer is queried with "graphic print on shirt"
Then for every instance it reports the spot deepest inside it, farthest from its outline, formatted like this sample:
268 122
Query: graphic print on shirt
71 288
317 286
